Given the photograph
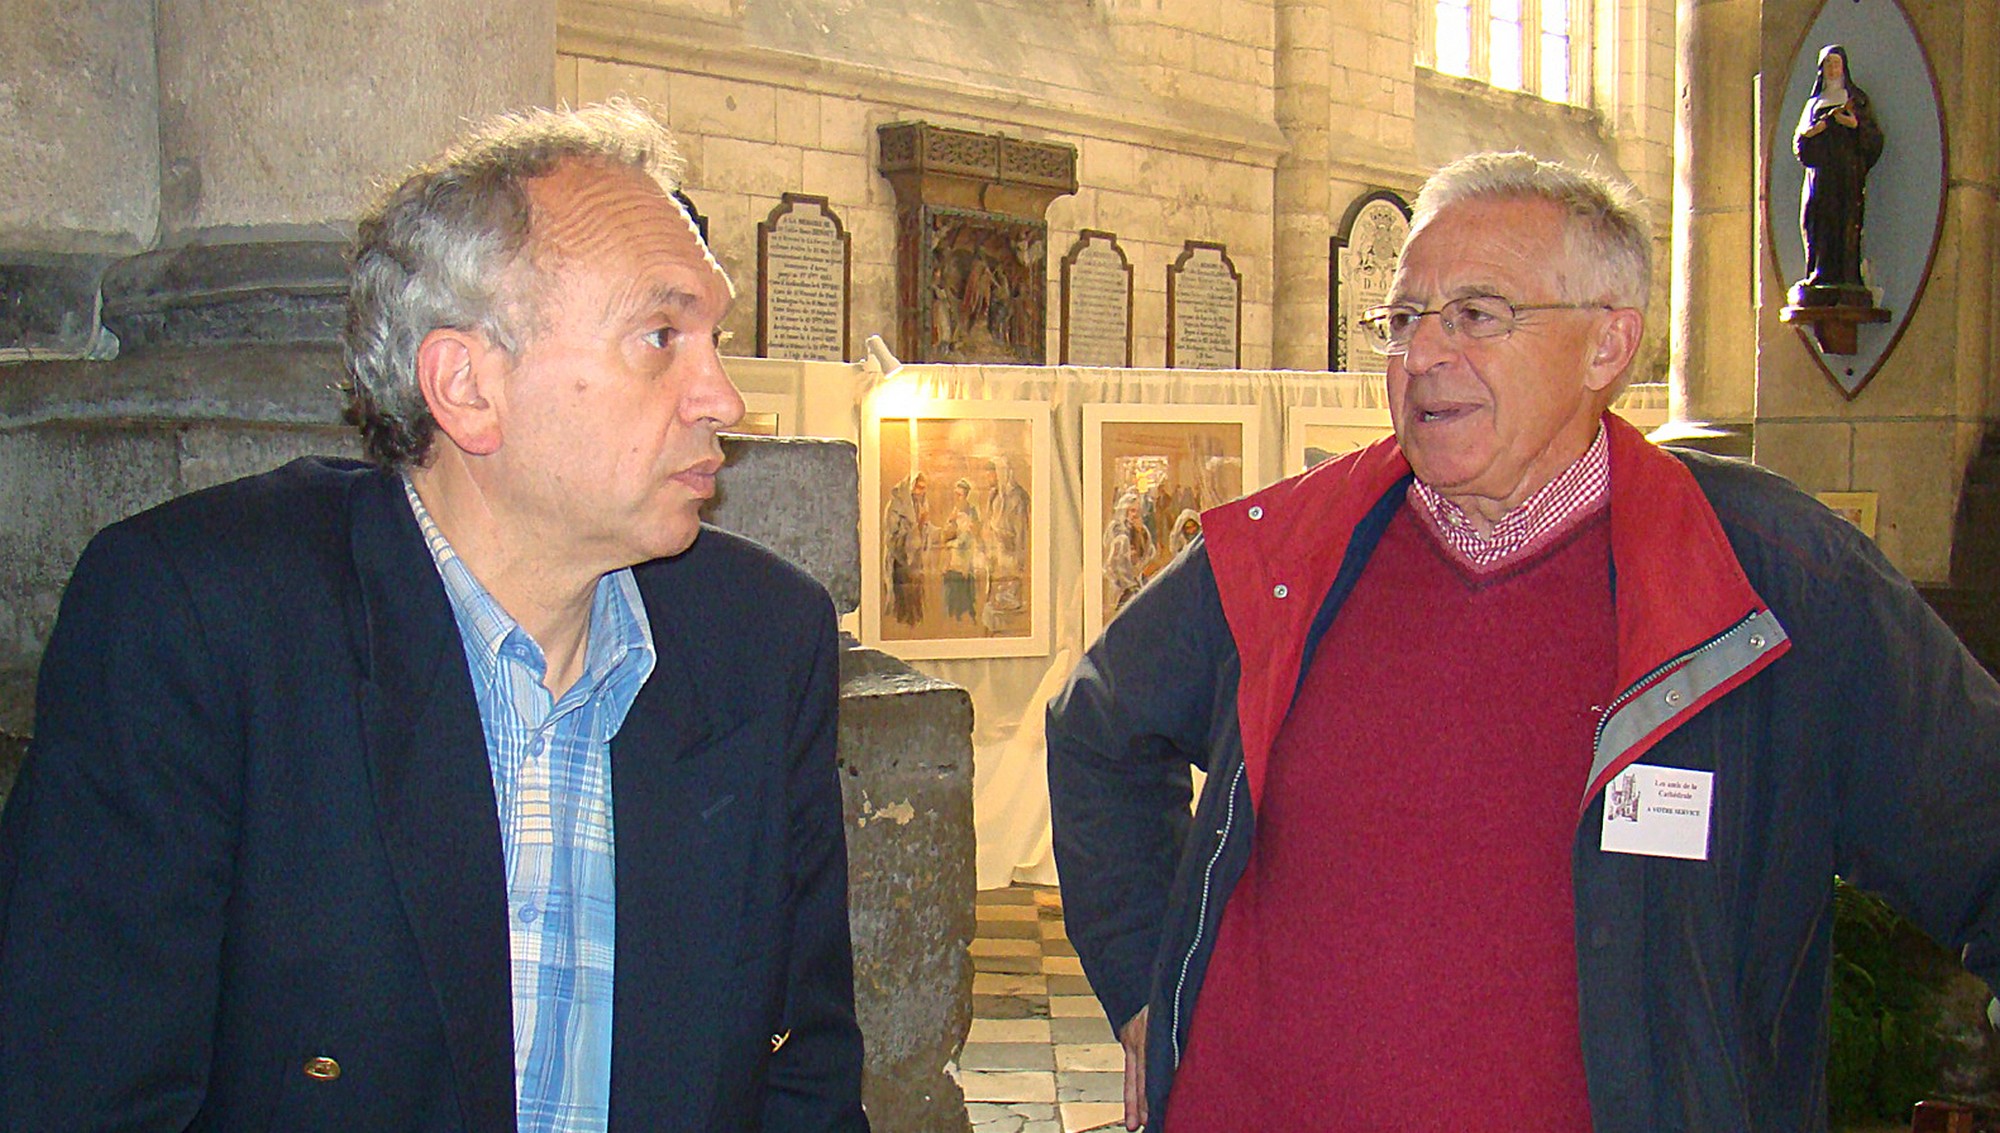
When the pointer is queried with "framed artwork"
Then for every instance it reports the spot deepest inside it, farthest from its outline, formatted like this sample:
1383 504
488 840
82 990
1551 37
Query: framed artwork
955 529
1149 471
1857 508
1314 433
765 415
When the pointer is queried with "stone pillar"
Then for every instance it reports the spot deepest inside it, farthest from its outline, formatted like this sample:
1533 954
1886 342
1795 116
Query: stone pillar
276 118
906 782
906 764
237 141
274 123
1303 212
1972 203
1714 330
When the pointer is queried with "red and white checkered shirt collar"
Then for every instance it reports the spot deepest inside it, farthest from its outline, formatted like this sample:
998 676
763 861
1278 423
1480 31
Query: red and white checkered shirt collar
1557 506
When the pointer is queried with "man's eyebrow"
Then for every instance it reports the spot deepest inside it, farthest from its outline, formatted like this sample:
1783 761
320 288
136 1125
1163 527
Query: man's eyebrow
1400 298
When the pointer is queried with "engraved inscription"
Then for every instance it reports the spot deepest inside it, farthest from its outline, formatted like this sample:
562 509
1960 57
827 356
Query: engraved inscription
1097 311
1367 267
803 312
1206 302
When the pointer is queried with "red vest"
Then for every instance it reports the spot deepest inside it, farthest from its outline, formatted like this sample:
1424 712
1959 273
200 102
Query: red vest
1400 953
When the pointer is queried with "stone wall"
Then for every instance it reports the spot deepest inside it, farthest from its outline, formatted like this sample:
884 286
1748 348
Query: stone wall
758 118
1254 123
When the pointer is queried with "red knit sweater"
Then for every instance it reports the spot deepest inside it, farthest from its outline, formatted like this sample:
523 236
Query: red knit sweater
1400 952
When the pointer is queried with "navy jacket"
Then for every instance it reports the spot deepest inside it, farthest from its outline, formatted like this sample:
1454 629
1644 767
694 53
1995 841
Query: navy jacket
1760 638
257 827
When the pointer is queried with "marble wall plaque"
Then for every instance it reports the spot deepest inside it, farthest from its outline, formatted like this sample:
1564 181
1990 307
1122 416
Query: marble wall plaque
1204 309
1362 267
803 257
1097 302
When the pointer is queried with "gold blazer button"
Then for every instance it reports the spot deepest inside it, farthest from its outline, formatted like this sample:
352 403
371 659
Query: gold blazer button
323 1068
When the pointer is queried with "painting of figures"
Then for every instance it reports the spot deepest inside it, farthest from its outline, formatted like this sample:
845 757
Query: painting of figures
1149 473
955 547
1315 433
986 294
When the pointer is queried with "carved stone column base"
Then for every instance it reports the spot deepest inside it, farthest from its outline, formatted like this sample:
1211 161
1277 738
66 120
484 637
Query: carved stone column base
48 308
222 294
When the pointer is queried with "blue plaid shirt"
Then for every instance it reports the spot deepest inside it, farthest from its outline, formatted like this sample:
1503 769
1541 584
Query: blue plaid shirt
551 763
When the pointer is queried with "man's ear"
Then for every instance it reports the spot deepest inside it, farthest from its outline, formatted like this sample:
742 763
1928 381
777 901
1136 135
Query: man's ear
1616 345
456 370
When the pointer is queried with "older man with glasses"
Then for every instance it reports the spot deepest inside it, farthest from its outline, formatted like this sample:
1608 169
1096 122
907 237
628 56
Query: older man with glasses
1532 749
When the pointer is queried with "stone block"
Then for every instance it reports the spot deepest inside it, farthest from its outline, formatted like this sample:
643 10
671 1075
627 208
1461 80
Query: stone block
906 778
13 752
286 113
874 229
63 483
844 126
84 444
79 126
264 385
1817 456
723 109
566 81
48 307
1914 466
842 178
597 80
801 497
217 454
1136 214
17 712
797 114
732 164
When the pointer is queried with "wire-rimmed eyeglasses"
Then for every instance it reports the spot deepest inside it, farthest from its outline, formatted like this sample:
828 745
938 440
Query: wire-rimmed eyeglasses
1390 328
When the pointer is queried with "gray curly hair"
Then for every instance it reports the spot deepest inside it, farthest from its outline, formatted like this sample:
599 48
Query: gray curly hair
1607 237
439 249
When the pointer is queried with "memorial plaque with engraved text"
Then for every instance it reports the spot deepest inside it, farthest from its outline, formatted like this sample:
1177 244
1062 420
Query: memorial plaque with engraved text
802 274
1204 309
1097 302
1364 259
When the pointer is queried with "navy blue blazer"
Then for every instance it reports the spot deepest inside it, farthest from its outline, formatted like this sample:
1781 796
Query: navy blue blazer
256 827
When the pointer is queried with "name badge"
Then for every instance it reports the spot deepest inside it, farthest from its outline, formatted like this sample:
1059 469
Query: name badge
1661 812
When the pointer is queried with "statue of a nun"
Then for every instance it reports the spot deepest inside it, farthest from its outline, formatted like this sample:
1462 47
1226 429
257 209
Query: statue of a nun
1838 140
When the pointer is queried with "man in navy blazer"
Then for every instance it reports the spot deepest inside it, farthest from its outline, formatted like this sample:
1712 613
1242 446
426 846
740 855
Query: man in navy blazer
333 764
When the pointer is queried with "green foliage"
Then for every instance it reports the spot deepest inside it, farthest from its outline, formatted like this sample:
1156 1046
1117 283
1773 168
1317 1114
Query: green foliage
1885 1046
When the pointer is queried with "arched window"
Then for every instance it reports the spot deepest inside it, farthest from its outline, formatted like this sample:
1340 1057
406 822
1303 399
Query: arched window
1537 46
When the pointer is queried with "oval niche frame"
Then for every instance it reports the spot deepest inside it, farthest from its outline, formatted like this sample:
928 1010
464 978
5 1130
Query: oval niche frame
1912 116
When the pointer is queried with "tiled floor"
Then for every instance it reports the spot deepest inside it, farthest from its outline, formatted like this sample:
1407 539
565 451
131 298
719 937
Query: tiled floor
1040 1058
